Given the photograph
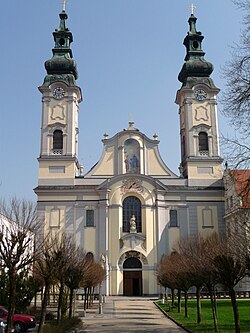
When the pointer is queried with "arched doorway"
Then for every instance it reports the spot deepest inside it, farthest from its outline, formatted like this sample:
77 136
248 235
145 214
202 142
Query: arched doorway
132 277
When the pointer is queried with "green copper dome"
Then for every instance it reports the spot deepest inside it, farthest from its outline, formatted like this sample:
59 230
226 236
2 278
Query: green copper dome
196 68
62 66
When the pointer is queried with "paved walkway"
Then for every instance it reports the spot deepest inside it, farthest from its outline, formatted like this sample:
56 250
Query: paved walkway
125 314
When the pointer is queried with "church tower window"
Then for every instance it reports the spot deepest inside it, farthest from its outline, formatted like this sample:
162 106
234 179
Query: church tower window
183 146
58 139
203 143
132 156
173 218
131 206
90 218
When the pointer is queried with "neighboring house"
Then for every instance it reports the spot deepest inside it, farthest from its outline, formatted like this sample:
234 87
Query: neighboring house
130 206
237 211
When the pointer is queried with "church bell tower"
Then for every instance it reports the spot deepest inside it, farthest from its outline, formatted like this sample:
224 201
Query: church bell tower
197 100
58 161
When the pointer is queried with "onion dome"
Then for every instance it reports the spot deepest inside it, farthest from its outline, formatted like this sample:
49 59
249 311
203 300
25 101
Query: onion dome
195 67
62 66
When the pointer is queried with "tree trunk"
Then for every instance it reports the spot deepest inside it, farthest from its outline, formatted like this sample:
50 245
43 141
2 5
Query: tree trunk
60 303
172 297
166 295
12 297
35 301
85 298
88 298
44 306
71 297
198 304
212 298
186 303
179 300
93 294
235 309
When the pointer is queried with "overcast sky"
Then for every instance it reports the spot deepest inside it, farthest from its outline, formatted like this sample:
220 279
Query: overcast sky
129 54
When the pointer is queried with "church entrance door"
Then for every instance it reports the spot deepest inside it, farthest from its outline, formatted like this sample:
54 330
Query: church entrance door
132 283
132 277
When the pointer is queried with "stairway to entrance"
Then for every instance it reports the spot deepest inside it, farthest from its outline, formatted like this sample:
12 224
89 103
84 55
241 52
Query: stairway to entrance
129 314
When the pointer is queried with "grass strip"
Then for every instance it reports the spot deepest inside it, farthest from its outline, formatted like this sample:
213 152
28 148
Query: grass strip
224 313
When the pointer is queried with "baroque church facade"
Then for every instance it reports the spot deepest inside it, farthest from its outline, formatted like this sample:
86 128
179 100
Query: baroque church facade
130 208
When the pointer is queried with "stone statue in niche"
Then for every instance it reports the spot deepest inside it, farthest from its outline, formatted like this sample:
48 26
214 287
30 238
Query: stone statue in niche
132 156
131 163
133 224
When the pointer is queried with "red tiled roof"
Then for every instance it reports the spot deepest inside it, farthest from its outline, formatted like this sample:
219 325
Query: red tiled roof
242 183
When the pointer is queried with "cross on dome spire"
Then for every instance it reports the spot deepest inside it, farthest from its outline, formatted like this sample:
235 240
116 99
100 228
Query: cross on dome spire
192 7
64 4
62 66
195 65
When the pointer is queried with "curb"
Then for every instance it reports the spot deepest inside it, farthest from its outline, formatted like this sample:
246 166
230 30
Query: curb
176 322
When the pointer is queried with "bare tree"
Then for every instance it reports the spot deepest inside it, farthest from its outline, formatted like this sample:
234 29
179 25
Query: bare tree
75 275
211 249
192 248
236 98
174 272
233 262
47 266
68 250
199 254
94 274
17 240
98 273
182 273
231 270
165 275
236 151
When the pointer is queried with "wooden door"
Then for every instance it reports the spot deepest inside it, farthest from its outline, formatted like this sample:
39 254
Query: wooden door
132 283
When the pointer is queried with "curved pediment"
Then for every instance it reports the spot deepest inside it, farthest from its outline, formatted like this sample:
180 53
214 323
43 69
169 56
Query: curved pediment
130 152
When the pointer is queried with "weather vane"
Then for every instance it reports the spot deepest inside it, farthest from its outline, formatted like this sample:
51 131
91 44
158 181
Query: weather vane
192 7
64 4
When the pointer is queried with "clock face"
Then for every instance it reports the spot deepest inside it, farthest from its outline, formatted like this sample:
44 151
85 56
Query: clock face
200 94
58 92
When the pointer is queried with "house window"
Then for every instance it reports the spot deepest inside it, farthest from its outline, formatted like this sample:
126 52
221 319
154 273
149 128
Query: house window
131 206
173 218
90 221
203 143
58 139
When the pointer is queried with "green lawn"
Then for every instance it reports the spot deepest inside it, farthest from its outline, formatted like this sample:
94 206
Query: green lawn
225 316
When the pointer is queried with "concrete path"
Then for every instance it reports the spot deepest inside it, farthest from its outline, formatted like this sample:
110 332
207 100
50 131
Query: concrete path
125 314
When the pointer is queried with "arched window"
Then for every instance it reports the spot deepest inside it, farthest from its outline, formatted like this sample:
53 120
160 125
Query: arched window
203 143
132 156
58 139
132 263
131 206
